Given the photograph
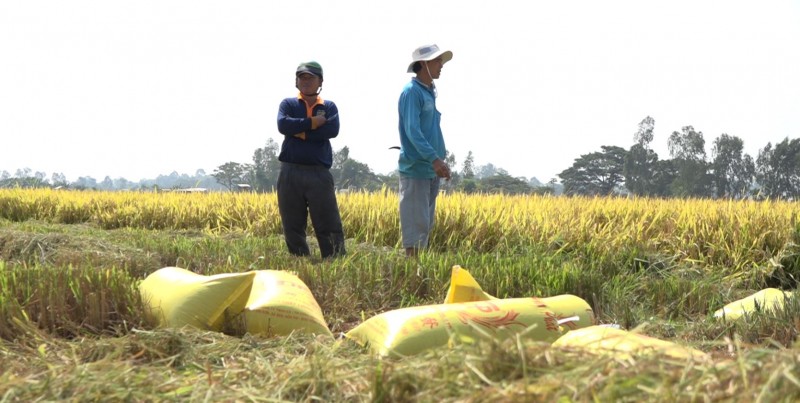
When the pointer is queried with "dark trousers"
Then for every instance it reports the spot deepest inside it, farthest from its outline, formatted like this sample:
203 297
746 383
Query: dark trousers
304 190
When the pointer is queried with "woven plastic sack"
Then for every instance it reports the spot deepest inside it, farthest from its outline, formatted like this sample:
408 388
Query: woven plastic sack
280 303
409 331
605 340
464 288
177 297
766 300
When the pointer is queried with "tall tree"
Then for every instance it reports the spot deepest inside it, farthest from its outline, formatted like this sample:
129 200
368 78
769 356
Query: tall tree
248 178
107 183
468 183
229 174
455 176
266 167
778 170
340 157
641 160
639 170
58 179
687 149
597 173
350 173
665 173
644 136
450 160
358 175
489 170
468 167
687 145
732 171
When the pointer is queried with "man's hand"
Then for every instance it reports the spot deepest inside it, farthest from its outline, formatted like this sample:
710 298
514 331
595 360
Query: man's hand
441 169
301 136
317 121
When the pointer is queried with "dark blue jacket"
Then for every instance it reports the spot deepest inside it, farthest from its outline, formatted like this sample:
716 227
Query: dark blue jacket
295 118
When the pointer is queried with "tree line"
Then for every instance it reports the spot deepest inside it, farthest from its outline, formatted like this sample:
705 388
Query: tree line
262 174
26 178
689 172
350 174
728 173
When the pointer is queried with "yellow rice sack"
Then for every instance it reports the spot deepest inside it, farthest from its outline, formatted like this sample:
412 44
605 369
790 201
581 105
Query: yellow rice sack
176 297
768 300
623 344
464 288
281 303
409 331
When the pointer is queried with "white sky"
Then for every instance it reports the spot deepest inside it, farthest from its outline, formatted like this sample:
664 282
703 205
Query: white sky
136 89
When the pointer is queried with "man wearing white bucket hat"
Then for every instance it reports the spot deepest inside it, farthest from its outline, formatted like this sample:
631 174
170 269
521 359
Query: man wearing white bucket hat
421 164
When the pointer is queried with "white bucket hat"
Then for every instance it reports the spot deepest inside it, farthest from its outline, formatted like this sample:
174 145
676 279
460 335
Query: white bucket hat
427 53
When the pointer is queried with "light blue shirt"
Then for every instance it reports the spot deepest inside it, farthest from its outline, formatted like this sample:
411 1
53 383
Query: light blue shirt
421 137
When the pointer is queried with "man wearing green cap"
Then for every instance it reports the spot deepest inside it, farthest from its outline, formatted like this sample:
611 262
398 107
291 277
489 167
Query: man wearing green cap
305 184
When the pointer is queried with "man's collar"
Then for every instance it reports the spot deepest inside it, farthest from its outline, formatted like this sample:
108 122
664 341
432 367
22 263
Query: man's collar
420 81
318 102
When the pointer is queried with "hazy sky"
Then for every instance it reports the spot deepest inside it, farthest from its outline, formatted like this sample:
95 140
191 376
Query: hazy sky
135 89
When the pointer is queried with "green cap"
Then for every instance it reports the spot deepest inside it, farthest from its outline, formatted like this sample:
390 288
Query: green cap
312 68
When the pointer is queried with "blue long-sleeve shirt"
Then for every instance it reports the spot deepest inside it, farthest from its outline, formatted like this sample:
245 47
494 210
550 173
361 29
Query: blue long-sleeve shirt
421 138
293 118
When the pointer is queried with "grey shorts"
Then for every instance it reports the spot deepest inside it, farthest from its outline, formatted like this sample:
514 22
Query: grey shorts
417 208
